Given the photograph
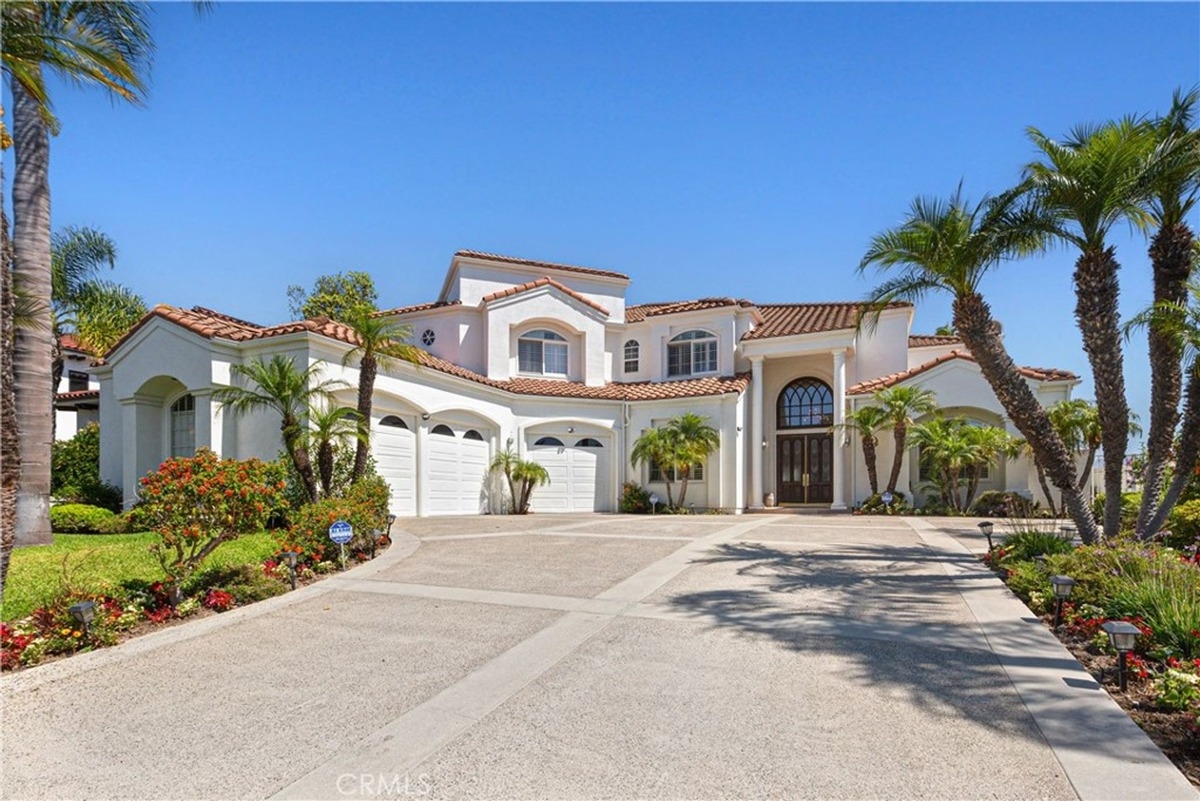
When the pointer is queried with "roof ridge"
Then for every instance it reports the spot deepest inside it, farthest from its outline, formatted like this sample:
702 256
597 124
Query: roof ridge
204 310
483 254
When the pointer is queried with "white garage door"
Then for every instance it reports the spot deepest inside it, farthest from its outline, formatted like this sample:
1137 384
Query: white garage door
395 449
458 462
577 467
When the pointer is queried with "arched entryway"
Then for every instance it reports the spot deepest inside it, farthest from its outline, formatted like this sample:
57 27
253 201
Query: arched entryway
804 443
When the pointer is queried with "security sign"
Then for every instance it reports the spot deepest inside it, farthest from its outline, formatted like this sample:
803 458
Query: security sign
341 532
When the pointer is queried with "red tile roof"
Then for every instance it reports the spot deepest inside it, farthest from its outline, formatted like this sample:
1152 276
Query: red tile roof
78 395
931 340
790 319
70 342
478 254
875 384
634 314
544 281
417 307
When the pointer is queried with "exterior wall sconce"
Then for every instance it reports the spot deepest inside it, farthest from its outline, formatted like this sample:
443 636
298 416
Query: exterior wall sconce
1123 637
1062 591
764 443
570 429
424 415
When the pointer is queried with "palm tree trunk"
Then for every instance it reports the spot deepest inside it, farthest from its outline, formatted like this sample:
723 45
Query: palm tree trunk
32 345
1041 475
1171 259
1187 455
900 435
325 467
972 486
368 368
973 320
293 442
683 482
868 444
1087 468
10 452
1096 294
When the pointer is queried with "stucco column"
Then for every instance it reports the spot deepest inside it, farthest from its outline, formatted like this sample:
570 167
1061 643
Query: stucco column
756 432
422 467
208 424
839 433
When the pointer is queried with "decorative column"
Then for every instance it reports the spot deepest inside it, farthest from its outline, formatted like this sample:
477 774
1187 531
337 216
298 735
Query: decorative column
756 432
839 433
422 465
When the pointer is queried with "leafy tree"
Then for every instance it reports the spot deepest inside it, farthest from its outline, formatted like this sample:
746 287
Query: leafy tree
946 330
1078 424
866 420
694 441
656 446
380 344
1084 186
949 246
901 405
339 297
522 477
280 386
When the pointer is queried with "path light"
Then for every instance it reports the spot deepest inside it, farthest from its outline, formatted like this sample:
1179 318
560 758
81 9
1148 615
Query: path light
84 613
1068 533
290 558
375 535
986 528
1123 636
1062 591
654 501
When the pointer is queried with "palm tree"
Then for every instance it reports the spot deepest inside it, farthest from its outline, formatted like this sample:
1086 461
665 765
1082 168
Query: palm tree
657 446
103 313
94 43
381 343
948 453
1174 181
506 462
329 428
901 405
694 441
290 392
527 476
1078 424
10 452
950 247
993 445
866 420
1084 186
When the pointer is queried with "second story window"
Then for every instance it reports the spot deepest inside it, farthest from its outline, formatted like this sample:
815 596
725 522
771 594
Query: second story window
631 356
692 352
542 353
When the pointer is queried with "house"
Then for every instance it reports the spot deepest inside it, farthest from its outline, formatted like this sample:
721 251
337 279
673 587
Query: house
549 360
77 400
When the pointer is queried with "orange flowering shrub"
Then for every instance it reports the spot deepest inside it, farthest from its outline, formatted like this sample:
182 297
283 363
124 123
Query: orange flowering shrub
196 504
364 506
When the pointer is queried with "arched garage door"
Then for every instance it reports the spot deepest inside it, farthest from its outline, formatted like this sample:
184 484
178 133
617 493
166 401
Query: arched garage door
458 463
395 448
578 468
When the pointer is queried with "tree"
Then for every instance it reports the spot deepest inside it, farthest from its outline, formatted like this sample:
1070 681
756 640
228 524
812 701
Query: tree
380 344
950 246
102 44
339 297
10 452
290 392
1078 424
901 405
522 477
694 441
657 446
947 453
992 445
330 428
946 330
1084 186
866 420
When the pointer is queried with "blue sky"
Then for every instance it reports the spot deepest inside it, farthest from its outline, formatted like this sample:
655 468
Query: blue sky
707 149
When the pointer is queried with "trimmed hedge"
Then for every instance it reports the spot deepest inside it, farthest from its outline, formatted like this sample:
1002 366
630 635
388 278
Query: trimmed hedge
78 518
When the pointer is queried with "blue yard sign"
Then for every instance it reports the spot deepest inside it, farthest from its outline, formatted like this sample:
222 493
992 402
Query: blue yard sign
341 532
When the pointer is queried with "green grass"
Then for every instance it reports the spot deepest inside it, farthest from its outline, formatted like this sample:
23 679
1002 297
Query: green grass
95 561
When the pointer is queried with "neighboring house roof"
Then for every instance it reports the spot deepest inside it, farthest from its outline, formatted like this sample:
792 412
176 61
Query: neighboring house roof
640 312
875 384
70 342
479 254
931 340
541 282
791 319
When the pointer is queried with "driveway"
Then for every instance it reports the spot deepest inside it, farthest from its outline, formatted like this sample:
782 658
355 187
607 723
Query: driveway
783 656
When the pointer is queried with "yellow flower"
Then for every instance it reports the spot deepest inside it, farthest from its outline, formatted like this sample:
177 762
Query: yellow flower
65 631
76 633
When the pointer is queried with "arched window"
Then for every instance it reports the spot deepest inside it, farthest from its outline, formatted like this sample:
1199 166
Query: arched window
549 442
805 403
542 353
183 427
588 442
692 352
632 351
473 434
442 430
392 421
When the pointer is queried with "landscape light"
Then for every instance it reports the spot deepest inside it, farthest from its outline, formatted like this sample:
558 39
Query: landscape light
84 613
1068 533
986 528
290 558
1123 636
1062 591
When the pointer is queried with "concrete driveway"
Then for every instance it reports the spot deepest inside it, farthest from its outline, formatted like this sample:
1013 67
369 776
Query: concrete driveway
783 656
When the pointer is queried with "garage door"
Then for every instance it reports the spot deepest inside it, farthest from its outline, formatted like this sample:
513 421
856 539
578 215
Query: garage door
395 449
577 468
458 462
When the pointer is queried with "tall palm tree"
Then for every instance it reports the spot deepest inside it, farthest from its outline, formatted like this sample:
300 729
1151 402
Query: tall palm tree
381 343
282 387
10 452
866 420
902 405
102 44
695 440
1085 185
330 427
657 446
949 246
1174 181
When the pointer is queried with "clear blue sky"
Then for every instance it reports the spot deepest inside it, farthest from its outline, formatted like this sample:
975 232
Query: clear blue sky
747 150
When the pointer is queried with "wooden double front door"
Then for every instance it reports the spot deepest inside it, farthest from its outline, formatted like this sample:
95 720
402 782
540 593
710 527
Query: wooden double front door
805 465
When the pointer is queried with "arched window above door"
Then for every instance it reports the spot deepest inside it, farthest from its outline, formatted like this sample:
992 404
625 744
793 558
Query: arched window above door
805 403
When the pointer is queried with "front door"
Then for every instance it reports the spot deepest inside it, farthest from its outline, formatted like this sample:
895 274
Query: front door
805 465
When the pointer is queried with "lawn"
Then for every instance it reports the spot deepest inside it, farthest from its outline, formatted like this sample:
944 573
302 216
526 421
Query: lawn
94 561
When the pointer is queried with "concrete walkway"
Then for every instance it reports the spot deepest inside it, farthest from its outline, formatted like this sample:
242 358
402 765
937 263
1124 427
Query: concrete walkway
598 657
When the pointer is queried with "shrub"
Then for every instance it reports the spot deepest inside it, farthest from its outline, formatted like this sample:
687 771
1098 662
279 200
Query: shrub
364 507
634 499
196 504
1169 603
1130 504
245 584
1101 570
218 601
124 523
1184 523
75 471
78 518
1177 690
1023 546
874 505
1030 581
343 468
995 503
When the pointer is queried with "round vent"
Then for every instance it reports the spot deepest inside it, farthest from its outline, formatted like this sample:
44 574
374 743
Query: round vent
427 337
